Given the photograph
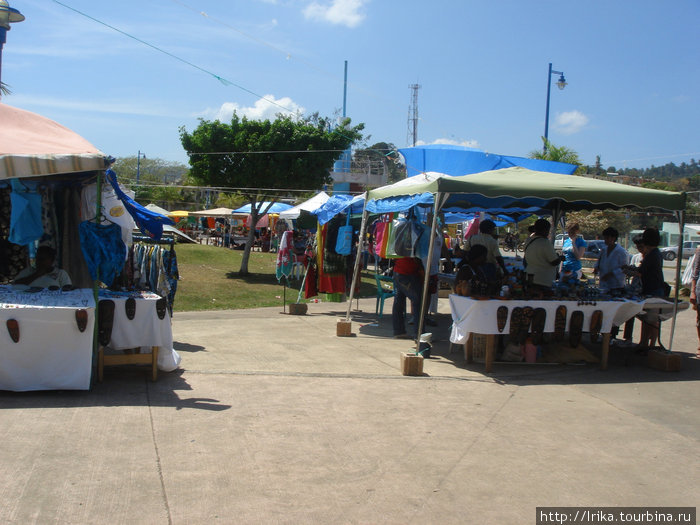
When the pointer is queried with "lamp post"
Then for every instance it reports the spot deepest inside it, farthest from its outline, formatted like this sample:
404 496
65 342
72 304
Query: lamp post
561 84
138 164
8 15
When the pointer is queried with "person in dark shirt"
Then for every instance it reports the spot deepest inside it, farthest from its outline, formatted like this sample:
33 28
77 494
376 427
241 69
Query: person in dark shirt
651 275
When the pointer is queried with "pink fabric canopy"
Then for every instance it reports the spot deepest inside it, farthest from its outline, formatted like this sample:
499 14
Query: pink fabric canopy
32 145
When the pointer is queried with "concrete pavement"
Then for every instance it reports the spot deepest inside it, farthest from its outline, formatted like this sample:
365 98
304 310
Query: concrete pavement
275 419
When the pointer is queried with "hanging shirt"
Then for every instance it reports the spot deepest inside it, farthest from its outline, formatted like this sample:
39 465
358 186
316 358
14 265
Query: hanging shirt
103 249
25 215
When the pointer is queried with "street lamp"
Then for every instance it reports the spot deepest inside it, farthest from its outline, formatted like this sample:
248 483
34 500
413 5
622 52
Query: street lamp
8 15
138 164
561 84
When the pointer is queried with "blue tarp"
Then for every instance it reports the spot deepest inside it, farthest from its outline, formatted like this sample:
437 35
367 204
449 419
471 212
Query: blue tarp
338 204
275 208
149 222
459 160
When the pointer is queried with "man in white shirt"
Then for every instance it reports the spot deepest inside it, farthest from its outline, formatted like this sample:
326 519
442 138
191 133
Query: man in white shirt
44 273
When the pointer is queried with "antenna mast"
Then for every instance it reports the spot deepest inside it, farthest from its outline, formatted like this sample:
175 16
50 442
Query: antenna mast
413 115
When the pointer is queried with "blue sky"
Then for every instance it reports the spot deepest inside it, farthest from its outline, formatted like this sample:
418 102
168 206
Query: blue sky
633 68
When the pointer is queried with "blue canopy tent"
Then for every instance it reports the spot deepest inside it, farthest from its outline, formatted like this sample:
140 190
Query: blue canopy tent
338 204
460 160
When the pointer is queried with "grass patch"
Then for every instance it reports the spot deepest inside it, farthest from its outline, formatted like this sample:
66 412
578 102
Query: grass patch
209 280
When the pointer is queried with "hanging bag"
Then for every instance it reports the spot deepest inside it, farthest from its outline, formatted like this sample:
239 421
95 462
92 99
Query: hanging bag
343 244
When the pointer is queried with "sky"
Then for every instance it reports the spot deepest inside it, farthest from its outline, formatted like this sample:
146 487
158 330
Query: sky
632 67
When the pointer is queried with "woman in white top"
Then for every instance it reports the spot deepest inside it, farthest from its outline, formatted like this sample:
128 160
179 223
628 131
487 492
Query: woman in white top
610 263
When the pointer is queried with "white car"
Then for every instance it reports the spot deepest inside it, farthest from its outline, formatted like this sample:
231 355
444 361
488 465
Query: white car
670 253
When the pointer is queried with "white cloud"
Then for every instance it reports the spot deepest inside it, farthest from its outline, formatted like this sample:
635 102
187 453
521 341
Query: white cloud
570 122
264 108
338 12
451 142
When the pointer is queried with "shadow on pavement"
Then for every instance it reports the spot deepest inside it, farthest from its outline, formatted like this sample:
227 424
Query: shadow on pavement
186 347
624 366
122 386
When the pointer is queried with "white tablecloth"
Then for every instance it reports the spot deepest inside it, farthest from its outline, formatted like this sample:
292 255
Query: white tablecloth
52 353
474 316
145 329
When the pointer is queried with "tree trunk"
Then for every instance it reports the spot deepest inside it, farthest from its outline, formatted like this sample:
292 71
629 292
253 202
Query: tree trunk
251 239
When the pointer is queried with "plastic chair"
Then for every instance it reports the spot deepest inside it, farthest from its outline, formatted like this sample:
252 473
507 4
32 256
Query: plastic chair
385 288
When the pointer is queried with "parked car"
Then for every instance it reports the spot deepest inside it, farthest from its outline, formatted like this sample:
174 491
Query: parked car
671 252
559 241
593 249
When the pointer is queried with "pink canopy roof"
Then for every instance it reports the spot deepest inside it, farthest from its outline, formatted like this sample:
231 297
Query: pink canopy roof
32 145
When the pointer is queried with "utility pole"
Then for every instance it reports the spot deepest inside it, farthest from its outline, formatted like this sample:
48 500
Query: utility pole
413 115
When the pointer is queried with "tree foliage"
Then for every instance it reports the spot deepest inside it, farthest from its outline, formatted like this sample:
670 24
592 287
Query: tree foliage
155 176
263 158
556 153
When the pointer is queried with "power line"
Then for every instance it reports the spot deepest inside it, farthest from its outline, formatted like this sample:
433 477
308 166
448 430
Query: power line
171 55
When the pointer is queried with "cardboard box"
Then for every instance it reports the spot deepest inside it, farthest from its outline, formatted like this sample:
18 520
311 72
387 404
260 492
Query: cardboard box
664 361
343 328
411 364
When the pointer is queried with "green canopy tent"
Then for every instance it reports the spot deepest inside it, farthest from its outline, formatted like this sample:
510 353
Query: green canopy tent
518 188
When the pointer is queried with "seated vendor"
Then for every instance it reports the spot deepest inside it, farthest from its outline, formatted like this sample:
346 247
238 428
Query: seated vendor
471 278
44 273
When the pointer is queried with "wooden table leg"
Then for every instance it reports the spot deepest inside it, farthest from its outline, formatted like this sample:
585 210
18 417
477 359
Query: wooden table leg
100 364
490 351
606 351
154 363
469 349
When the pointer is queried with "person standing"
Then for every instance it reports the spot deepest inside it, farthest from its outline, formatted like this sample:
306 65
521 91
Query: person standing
609 267
541 259
693 293
573 249
651 276
408 280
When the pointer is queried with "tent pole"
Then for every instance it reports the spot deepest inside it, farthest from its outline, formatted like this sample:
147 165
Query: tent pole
681 227
358 258
96 283
424 296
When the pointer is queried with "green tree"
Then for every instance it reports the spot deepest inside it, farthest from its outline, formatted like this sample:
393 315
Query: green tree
156 177
263 158
556 153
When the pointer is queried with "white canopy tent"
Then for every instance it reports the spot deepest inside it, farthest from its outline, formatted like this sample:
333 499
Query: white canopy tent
310 205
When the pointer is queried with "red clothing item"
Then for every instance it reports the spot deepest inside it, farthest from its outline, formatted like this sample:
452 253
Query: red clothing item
407 266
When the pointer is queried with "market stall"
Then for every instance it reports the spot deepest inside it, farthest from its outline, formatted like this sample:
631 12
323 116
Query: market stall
518 189
52 195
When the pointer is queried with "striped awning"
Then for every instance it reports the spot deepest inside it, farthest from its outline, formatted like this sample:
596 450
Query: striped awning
34 146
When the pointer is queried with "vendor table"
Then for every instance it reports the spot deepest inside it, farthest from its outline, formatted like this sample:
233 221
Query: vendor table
479 317
51 353
146 329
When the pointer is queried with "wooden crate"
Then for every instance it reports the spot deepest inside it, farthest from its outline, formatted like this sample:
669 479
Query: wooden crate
298 308
343 328
664 361
411 364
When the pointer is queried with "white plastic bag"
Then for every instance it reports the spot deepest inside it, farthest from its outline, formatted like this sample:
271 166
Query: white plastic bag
687 279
